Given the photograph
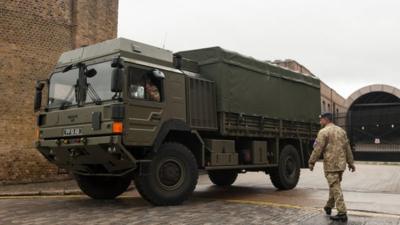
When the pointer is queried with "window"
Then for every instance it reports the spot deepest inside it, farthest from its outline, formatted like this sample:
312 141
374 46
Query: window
323 106
146 84
329 107
63 85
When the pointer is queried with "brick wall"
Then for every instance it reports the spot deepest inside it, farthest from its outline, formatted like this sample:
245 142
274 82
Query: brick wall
331 101
33 33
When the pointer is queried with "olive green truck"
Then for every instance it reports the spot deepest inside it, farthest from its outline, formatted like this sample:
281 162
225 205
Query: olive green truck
217 111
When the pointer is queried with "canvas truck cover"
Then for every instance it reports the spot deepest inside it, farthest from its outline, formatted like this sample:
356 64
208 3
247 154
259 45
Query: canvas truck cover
249 86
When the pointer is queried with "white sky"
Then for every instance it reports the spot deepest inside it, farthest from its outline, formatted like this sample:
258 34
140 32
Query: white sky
348 44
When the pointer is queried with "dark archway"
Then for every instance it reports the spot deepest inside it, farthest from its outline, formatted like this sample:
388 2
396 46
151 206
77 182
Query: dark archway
373 126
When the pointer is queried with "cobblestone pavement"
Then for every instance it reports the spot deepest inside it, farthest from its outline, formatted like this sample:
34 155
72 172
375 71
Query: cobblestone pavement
252 200
133 210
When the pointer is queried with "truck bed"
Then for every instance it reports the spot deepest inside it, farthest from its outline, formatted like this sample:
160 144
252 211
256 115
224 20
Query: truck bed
255 98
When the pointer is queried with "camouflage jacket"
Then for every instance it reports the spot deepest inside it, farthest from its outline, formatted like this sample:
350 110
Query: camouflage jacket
333 144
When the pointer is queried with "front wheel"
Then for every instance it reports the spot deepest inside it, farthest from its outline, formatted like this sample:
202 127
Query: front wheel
287 174
100 187
171 176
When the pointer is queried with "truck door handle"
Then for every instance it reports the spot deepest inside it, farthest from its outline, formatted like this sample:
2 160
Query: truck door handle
155 117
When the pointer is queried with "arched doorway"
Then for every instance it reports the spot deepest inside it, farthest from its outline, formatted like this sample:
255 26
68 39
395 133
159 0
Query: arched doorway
373 123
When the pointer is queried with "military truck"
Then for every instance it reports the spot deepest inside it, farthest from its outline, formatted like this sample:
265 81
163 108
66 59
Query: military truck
217 111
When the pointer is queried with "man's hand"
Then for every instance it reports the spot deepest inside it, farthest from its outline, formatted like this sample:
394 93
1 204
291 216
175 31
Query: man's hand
311 166
352 167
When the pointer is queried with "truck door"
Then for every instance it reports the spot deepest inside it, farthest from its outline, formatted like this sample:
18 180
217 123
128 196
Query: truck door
145 103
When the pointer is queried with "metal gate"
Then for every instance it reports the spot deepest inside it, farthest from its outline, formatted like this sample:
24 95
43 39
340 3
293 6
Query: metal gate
378 126
374 132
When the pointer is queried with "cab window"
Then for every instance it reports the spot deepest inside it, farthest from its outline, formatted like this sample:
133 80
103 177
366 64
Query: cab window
146 84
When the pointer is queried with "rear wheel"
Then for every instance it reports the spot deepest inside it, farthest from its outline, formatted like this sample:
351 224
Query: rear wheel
171 176
222 177
100 187
287 174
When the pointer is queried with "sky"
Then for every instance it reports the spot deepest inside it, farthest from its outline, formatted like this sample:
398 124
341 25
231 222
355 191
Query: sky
347 44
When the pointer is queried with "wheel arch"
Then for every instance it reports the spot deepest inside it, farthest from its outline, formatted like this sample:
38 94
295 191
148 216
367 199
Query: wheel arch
178 131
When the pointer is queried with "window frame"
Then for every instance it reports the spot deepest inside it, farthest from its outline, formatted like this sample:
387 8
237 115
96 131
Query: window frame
145 100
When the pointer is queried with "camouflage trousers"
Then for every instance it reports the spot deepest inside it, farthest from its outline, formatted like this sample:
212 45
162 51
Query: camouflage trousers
335 191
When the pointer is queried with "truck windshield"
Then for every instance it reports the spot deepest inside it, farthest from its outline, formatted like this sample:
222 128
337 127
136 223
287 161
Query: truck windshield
62 85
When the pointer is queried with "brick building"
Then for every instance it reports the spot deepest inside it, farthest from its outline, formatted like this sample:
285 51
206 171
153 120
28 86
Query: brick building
331 101
293 65
32 36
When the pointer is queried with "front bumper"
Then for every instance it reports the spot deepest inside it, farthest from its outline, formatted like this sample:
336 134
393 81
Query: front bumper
88 155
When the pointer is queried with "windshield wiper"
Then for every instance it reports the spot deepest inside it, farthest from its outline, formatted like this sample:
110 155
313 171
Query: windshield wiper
64 103
65 100
82 87
93 94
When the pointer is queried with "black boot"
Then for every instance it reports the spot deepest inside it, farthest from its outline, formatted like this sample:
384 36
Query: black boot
328 210
340 217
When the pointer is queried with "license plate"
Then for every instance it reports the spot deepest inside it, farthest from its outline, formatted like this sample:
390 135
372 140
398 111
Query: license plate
72 131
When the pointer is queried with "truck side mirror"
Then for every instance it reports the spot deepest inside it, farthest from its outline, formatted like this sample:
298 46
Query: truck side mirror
91 73
158 74
38 96
117 80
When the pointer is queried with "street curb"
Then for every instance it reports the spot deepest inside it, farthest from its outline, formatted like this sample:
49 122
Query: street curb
49 192
59 179
42 193
378 163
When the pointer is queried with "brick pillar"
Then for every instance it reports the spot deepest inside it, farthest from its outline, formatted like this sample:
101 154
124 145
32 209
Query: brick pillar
94 21
33 34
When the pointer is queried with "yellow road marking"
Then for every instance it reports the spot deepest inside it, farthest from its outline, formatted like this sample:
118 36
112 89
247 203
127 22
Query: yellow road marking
273 204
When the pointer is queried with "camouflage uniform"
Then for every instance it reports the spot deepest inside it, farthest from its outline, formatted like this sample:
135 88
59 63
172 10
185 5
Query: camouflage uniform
332 142
152 92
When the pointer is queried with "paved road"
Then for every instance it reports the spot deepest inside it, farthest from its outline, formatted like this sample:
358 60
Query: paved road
252 200
131 210
373 188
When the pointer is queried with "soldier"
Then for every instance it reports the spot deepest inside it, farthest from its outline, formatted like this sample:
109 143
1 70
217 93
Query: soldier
333 144
152 91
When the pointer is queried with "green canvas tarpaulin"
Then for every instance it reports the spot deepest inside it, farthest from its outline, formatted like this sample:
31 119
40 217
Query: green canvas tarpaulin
246 85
